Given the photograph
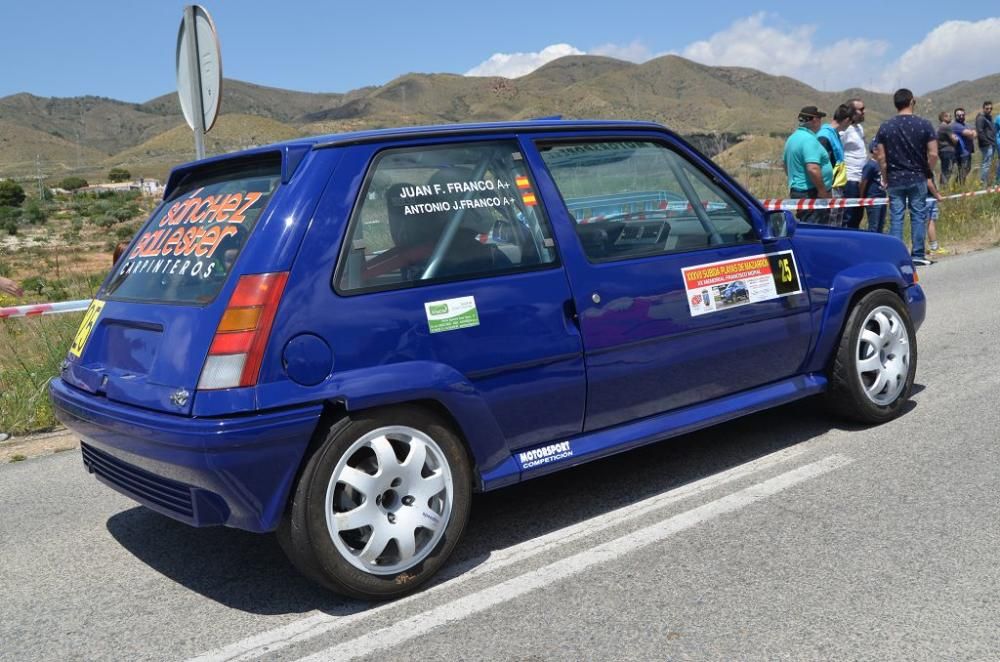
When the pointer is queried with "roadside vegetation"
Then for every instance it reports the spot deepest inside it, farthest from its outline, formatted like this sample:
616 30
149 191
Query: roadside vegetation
59 248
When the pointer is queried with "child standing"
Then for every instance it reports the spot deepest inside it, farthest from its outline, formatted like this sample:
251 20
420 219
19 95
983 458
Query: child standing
933 211
871 187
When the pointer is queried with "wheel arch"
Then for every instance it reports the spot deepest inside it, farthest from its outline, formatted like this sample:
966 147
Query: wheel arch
434 387
848 287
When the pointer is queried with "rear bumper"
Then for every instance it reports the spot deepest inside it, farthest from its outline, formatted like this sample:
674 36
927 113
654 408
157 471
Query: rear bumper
232 471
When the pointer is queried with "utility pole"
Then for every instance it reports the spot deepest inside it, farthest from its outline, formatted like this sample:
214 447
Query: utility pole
38 173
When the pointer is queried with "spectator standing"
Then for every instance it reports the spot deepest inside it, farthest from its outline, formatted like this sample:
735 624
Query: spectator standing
933 213
965 146
829 137
907 153
856 157
996 131
946 146
871 187
986 138
810 174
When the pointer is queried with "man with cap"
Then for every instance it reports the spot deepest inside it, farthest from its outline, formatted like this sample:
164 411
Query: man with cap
807 164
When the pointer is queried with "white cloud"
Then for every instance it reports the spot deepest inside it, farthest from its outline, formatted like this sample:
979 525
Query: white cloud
953 51
788 50
633 52
513 65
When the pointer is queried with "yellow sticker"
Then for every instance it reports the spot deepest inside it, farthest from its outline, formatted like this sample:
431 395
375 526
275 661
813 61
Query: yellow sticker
86 326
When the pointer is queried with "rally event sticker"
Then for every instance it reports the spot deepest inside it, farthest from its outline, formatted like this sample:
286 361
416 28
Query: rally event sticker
727 284
86 326
451 314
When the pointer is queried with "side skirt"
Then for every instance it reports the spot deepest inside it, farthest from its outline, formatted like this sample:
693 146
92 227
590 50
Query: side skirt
560 454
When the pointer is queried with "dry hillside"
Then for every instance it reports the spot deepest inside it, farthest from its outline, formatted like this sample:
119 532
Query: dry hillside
691 98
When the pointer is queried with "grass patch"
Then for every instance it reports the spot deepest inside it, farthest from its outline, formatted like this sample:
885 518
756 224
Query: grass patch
30 353
31 350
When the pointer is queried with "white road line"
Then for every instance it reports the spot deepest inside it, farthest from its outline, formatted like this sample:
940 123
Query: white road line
480 601
319 623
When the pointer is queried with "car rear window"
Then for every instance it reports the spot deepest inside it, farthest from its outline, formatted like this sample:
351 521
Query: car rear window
186 250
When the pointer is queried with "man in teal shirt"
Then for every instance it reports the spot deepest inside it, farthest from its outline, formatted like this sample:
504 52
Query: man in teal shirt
807 164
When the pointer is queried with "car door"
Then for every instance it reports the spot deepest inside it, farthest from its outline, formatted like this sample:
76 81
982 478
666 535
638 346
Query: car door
679 300
449 262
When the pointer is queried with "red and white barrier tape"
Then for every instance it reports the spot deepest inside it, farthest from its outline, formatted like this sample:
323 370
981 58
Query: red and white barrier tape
34 309
955 196
802 204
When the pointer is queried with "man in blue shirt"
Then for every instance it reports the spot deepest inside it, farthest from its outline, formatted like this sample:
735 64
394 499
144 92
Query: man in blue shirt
907 153
829 137
966 144
996 132
810 174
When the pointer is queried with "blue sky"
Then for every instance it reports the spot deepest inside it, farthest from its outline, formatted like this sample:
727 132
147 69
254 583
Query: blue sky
125 50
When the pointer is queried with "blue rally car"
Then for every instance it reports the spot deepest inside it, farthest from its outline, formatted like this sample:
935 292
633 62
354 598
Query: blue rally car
340 339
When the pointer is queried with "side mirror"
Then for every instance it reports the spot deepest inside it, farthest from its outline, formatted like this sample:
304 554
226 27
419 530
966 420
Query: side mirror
778 225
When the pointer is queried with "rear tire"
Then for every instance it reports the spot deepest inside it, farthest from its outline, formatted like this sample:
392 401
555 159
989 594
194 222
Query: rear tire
872 373
380 504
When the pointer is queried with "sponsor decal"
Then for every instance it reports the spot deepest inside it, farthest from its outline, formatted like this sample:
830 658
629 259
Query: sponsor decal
451 314
730 283
186 240
537 457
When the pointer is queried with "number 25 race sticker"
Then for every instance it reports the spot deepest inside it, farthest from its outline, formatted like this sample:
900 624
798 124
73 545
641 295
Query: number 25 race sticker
86 326
720 285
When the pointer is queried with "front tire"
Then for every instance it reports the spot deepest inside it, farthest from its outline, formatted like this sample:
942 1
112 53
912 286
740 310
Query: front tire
380 505
871 377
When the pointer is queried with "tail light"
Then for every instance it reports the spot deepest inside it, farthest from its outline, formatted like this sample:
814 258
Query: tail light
238 346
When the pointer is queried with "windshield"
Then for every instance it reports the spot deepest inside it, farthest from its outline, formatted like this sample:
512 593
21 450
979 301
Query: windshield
186 251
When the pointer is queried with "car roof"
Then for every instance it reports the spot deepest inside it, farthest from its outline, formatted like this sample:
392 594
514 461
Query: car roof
376 135
304 144
543 124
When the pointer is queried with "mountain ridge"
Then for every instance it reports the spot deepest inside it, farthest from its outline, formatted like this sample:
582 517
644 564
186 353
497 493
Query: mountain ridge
689 97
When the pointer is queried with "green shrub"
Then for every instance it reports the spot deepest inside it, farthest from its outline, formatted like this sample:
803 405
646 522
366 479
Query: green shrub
73 183
119 175
34 214
11 193
123 232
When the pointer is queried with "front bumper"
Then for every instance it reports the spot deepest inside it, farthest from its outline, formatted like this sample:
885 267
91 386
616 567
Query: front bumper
916 301
234 471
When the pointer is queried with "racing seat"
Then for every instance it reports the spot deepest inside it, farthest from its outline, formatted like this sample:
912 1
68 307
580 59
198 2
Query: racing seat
467 254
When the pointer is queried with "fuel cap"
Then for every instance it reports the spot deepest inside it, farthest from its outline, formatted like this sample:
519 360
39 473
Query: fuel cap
308 360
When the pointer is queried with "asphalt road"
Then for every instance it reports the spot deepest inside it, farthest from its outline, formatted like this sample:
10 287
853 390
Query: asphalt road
783 535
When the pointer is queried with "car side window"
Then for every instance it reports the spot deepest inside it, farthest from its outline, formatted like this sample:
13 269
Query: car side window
636 198
427 214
